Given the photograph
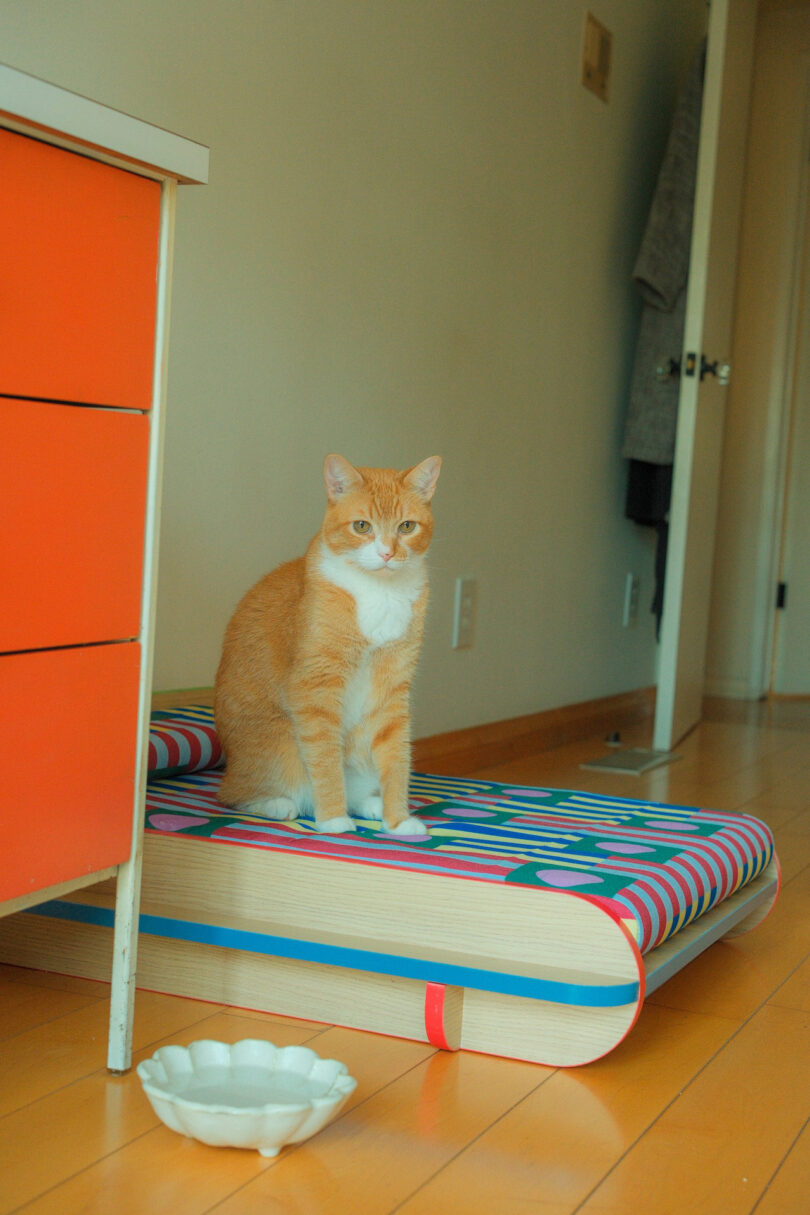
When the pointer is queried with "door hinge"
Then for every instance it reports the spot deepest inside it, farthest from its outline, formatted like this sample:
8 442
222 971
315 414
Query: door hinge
781 596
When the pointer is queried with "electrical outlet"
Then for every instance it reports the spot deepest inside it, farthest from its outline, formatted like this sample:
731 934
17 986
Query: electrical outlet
464 613
632 587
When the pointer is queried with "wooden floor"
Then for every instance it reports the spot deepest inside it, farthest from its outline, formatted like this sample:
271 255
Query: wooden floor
705 1108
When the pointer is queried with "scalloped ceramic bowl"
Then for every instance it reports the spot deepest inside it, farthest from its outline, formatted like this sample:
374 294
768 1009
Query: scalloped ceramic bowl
249 1095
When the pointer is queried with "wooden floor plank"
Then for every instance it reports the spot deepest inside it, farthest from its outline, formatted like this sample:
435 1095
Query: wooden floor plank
703 1108
185 1177
54 982
788 1191
793 848
549 1151
62 1051
24 1006
795 991
716 1147
779 802
97 1115
374 1157
160 1171
732 978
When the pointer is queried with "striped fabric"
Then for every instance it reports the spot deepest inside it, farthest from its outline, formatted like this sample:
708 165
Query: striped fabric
656 866
183 740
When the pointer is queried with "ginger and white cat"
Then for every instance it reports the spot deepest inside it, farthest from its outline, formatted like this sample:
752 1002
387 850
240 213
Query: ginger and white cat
312 693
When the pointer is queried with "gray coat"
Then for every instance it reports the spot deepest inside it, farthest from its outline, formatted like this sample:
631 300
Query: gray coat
660 274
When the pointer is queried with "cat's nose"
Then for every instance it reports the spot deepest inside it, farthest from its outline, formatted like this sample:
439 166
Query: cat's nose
386 556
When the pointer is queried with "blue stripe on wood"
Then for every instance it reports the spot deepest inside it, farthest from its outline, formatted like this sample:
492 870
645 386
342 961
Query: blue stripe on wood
581 994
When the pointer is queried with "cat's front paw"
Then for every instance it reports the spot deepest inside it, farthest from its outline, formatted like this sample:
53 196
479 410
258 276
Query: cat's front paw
410 826
371 807
281 809
335 826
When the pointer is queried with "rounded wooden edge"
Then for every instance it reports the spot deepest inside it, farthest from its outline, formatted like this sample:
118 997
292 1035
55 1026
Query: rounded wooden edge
639 1001
540 1031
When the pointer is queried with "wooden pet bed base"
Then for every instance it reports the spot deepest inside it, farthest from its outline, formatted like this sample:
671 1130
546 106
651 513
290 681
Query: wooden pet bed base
544 975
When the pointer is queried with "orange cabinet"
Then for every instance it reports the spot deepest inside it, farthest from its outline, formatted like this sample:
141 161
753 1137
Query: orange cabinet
72 504
68 720
79 253
78 306
87 206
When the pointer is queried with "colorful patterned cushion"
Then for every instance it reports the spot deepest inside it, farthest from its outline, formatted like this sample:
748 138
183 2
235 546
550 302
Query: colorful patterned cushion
183 740
656 866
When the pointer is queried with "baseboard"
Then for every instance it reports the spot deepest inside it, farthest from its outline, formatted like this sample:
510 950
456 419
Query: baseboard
460 751
185 696
730 689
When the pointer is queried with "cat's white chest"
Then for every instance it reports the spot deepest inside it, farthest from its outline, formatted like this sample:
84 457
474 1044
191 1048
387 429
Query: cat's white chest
384 609
383 615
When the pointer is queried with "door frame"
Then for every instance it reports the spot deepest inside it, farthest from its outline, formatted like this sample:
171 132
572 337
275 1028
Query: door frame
691 554
776 471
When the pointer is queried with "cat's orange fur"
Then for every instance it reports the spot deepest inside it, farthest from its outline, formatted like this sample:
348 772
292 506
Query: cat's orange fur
312 692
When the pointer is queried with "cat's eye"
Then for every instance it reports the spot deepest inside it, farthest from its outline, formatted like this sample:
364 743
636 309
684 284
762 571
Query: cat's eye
407 527
362 526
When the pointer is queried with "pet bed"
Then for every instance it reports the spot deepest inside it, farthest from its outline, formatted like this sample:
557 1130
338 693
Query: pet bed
529 923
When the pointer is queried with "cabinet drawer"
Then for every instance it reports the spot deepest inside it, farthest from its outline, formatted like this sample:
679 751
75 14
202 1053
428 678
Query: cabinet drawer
78 264
72 504
68 722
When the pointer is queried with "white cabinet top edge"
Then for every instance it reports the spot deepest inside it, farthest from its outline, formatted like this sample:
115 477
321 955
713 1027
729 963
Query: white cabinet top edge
27 101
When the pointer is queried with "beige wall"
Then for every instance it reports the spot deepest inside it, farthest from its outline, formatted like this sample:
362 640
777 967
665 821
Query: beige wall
740 637
417 238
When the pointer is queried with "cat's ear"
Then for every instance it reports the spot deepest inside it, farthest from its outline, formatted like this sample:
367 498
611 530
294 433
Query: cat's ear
422 477
339 476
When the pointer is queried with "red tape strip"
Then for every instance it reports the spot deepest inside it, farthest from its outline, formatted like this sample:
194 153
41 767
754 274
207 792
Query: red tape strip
434 1015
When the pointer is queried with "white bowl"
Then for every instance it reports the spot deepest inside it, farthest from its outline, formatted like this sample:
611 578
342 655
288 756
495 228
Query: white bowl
251 1094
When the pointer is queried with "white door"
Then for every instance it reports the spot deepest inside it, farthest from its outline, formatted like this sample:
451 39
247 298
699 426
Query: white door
701 405
791 668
